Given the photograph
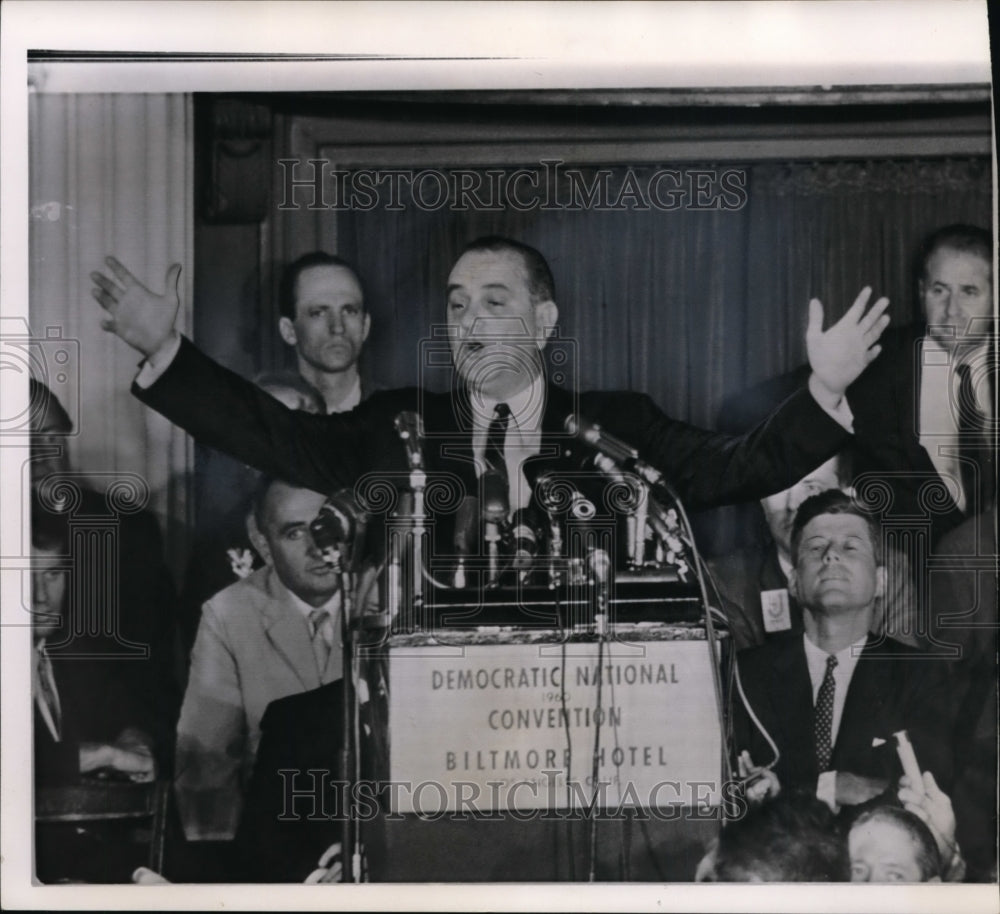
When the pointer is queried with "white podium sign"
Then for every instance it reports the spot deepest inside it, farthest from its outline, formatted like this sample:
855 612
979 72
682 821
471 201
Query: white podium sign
519 726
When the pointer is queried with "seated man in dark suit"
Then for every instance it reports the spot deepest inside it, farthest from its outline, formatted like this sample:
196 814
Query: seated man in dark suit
826 697
501 312
128 616
85 725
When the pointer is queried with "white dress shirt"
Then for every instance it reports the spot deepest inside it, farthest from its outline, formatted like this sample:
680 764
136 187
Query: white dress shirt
938 410
330 631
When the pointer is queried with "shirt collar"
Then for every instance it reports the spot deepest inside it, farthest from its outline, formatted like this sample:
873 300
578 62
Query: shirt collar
526 407
350 400
847 657
331 605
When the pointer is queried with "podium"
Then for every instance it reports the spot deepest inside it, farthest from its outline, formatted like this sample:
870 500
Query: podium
496 735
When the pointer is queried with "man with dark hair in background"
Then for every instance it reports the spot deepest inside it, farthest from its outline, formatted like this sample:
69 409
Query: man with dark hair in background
923 413
323 316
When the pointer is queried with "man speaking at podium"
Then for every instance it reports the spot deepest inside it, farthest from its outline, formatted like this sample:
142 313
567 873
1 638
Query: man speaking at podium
500 313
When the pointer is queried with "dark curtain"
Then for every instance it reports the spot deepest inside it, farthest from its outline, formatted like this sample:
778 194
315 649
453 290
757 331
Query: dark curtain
689 306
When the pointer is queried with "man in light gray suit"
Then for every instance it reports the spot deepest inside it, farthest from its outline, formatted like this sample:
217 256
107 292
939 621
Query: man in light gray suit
269 635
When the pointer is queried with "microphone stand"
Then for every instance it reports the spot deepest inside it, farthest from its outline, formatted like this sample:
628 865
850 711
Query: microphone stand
352 728
418 481
350 750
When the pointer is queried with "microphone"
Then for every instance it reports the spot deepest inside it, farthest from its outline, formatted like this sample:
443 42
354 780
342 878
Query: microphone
338 529
599 563
495 507
557 495
526 533
467 525
614 448
410 427
496 499
466 533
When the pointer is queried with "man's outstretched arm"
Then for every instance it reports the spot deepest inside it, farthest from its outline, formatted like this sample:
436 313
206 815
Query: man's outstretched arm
216 406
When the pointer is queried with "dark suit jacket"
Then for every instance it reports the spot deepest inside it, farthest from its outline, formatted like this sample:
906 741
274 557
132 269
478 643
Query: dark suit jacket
95 708
303 733
894 687
741 578
885 403
323 453
966 590
139 657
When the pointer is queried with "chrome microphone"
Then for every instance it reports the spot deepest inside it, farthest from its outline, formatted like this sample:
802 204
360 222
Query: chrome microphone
410 428
496 499
526 533
617 450
495 509
466 534
337 530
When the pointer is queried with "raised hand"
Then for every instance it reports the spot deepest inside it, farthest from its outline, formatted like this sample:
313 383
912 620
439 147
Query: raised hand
838 355
761 783
139 316
931 804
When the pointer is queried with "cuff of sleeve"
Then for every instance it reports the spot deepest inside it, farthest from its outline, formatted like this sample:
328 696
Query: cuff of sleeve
826 790
837 409
153 367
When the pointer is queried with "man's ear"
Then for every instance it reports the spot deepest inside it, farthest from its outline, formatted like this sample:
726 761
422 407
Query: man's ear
880 579
287 330
793 584
257 539
546 315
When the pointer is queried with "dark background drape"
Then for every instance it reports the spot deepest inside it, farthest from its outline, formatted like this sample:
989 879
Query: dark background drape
689 306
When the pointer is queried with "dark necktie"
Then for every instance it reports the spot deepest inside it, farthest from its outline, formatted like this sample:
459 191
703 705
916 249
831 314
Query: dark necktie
977 459
48 693
824 716
495 438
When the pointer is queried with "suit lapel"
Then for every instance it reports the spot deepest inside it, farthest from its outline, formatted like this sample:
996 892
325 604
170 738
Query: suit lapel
288 632
792 704
863 707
